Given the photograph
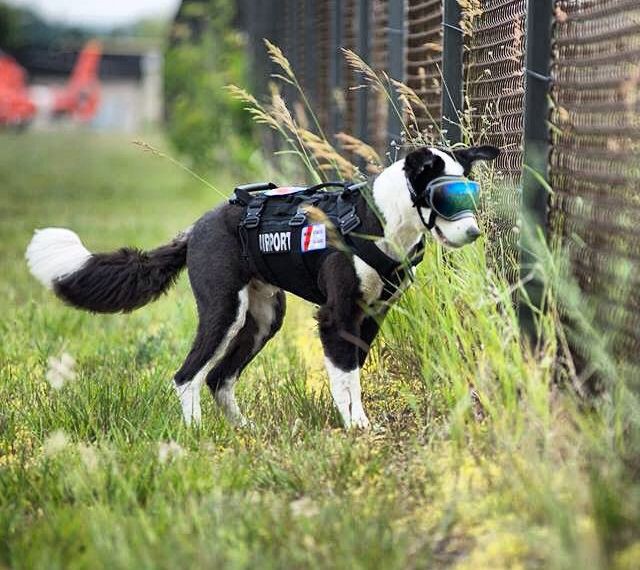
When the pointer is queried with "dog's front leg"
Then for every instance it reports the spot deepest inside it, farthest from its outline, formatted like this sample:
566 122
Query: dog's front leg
339 322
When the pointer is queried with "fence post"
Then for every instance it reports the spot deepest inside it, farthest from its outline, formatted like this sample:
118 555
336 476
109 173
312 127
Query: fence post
396 55
336 58
289 44
364 51
310 60
535 175
452 71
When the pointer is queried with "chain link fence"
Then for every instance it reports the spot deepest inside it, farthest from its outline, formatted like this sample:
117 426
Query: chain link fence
494 86
595 163
423 72
594 139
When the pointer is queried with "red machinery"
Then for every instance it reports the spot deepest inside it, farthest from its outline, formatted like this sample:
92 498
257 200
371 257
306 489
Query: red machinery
16 107
78 99
81 96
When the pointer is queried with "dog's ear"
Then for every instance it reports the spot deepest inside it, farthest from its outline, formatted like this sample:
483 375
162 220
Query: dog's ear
470 155
421 166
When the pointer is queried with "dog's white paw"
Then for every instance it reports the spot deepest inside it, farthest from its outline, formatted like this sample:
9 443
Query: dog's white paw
359 420
189 394
196 419
244 424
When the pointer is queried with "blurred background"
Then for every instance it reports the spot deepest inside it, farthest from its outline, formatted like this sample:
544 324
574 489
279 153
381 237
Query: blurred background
93 62
128 67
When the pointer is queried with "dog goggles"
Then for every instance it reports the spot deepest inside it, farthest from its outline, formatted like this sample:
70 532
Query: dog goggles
453 197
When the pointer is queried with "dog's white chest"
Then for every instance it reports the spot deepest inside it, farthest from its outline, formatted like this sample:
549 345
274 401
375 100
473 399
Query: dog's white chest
370 282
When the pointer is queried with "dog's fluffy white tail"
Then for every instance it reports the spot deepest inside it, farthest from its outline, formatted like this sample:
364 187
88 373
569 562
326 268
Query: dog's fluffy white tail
54 253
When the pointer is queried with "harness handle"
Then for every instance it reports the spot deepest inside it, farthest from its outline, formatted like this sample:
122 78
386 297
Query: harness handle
242 193
256 186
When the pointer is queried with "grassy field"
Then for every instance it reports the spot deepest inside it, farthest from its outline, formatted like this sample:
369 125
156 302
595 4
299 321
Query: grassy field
475 460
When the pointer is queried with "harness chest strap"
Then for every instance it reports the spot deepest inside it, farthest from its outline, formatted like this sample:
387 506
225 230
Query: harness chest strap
392 272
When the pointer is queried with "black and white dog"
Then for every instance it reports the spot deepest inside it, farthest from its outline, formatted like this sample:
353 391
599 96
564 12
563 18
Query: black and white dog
239 311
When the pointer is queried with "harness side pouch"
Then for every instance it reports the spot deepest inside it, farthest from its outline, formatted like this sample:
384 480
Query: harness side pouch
282 247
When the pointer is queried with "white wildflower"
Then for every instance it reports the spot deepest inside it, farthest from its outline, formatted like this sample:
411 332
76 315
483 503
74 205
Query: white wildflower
168 451
55 443
60 370
55 379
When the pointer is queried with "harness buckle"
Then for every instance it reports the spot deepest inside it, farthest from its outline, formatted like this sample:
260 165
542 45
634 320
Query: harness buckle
298 219
349 221
252 217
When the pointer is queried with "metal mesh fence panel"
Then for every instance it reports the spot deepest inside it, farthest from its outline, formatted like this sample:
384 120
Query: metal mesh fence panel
495 79
424 62
595 164
290 41
322 53
278 27
298 46
378 108
349 77
259 63
258 23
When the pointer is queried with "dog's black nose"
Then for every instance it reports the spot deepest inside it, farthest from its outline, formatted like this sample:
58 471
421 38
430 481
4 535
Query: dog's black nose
473 233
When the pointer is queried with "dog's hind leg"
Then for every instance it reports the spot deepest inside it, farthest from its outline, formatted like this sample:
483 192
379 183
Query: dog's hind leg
264 319
218 326
189 395
339 320
220 282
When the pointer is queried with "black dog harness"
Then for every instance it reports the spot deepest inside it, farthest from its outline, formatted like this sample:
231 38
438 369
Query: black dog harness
286 243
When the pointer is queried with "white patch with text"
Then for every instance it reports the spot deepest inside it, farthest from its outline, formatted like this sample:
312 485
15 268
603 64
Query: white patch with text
275 242
313 238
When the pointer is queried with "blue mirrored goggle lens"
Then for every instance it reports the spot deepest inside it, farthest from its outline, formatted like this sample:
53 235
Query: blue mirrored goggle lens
455 198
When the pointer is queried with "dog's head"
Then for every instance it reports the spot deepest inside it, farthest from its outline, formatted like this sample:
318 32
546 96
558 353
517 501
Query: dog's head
424 169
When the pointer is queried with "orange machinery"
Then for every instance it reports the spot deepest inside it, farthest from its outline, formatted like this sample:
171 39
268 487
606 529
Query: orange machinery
16 107
81 96
78 99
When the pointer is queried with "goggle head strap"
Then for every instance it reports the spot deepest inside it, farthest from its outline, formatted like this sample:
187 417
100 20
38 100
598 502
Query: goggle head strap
422 201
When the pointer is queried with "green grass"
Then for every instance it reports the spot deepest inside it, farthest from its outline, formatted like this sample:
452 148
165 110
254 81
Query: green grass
476 460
